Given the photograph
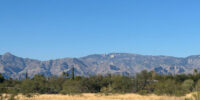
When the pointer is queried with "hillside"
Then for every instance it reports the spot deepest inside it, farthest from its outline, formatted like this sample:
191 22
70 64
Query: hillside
113 63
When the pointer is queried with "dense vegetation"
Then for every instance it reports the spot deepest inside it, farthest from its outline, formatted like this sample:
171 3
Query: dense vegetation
143 83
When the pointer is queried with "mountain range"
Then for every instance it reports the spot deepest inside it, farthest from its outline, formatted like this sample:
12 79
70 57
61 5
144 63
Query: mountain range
113 63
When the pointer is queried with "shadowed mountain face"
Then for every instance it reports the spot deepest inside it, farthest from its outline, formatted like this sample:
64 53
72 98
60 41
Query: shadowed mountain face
114 63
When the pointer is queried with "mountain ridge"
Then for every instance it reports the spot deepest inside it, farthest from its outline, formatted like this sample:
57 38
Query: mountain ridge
112 63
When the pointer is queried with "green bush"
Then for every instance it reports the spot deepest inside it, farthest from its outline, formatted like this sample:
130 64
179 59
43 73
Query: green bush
168 87
188 86
71 87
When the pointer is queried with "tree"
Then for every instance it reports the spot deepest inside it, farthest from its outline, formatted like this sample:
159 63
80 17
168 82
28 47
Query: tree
168 87
195 72
188 85
27 87
1 78
26 76
65 75
40 84
73 73
142 81
71 87
153 74
92 84
54 84
197 87
121 84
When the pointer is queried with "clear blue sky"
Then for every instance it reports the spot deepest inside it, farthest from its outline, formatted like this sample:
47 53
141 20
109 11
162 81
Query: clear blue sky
50 29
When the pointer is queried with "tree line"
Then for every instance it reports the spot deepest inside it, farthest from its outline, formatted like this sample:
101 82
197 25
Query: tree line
68 83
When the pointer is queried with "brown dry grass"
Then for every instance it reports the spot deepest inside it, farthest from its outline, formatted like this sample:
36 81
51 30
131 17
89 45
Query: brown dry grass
90 96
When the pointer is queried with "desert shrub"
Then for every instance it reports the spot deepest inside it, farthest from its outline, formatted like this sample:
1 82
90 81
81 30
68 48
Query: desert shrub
143 92
121 84
168 87
92 84
71 87
197 86
2 79
188 86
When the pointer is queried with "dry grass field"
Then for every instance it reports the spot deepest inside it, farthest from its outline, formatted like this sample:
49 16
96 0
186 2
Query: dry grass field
102 97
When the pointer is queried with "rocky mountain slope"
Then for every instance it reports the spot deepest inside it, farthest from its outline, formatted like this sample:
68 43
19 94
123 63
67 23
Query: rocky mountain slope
113 63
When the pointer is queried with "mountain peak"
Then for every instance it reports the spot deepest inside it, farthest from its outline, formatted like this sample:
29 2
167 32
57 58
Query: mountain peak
8 54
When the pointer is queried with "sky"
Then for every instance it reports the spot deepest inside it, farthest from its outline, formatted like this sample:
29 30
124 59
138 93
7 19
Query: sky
51 29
